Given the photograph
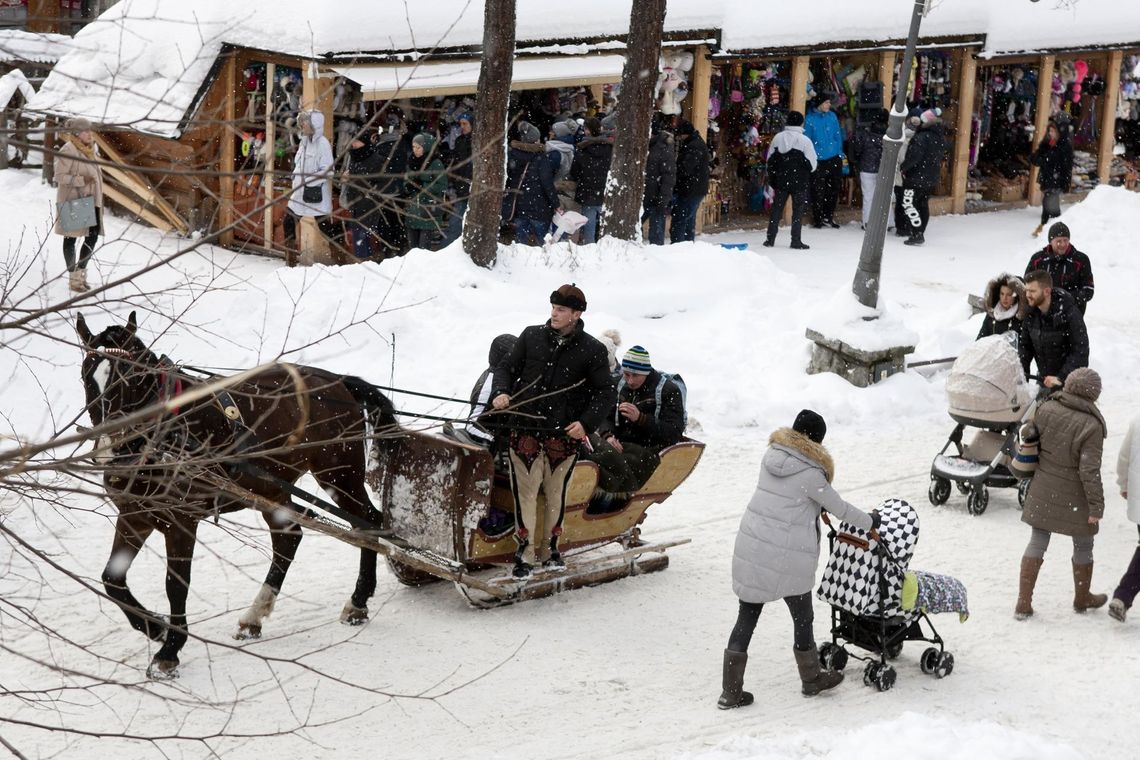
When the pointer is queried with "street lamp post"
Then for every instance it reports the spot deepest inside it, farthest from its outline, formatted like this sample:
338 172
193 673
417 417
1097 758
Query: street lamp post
866 284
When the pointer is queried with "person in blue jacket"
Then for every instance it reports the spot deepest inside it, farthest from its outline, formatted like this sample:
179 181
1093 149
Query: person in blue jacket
822 127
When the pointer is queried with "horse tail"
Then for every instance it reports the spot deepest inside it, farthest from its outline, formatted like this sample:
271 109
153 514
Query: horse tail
379 408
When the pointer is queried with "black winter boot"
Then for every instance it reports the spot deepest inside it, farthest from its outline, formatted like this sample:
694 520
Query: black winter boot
814 678
916 239
554 561
522 569
732 681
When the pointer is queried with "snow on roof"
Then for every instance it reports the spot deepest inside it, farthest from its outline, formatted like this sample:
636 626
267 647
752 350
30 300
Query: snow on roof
142 63
18 45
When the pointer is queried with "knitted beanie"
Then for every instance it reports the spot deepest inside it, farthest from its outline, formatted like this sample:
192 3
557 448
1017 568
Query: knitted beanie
1084 382
636 361
1058 229
810 424
930 115
529 133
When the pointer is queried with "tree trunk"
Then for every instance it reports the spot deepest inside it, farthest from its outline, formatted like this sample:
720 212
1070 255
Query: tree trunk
488 156
626 185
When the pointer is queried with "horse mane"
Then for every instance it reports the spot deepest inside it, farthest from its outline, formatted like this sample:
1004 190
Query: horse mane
379 408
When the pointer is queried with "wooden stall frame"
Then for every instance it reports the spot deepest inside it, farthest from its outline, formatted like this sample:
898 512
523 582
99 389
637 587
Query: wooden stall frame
700 81
967 83
1108 116
1041 118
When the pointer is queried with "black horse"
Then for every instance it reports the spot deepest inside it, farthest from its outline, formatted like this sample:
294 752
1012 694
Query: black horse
260 434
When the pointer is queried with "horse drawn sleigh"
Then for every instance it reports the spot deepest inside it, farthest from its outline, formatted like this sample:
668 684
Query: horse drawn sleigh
178 446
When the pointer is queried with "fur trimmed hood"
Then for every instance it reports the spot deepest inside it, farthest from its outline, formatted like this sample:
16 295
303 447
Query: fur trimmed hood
993 292
806 447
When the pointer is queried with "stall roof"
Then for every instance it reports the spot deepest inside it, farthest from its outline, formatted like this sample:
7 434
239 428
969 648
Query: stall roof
16 45
381 82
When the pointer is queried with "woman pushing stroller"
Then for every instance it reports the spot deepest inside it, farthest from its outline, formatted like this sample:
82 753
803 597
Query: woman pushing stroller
777 551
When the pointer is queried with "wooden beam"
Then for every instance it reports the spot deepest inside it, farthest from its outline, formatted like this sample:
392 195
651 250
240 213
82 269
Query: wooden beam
700 81
270 153
138 184
798 98
137 208
227 155
887 76
960 168
1041 117
43 16
1108 116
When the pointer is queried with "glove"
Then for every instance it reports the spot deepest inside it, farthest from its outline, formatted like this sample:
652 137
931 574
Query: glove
876 519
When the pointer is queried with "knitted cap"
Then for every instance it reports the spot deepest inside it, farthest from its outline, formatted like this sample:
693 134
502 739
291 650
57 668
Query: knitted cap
1058 229
930 115
810 424
529 133
569 296
795 119
1084 382
564 128
636 361
467 117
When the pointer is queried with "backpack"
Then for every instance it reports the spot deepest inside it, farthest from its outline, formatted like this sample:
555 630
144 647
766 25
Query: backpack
659 391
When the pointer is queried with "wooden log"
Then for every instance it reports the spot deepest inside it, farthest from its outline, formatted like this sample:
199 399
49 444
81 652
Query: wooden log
887 76
798 99
700 81
138 185
227 154
960 168
1108 116
126 201
1041 118
270 137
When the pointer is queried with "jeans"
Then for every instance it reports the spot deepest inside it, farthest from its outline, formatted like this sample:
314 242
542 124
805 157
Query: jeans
656 217
685 218
590 229
88 247
524 228
362 239
455 225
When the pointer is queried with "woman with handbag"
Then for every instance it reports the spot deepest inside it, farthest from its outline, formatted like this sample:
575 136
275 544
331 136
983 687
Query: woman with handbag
79 198
312 194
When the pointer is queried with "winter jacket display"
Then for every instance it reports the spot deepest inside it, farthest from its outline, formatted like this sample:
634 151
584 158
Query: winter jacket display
311 167
1071 271
777 547
590 169
825 133
998 321
1057 339
1056 165
791 160
77 176
867 148
660 170
653 430
1066 488
530 190
554 380
426 185
692 168
922 167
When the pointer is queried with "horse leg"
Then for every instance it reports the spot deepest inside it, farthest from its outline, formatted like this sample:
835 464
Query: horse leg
180 540
347 489
130 535
285 536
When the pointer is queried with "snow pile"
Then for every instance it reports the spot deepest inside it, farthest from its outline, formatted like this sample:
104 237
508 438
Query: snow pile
859 326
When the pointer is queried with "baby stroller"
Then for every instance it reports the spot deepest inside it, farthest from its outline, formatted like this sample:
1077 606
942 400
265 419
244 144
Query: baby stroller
877 604
987 390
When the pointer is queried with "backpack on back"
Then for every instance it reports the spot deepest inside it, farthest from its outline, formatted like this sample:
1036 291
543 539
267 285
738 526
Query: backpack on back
659 391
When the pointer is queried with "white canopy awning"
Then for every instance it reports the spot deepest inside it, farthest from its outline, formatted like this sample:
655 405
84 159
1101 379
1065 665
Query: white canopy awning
385 81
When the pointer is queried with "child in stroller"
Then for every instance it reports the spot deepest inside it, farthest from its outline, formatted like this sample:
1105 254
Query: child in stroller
877 604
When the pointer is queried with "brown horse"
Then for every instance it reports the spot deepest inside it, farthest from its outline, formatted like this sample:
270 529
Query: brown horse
260 435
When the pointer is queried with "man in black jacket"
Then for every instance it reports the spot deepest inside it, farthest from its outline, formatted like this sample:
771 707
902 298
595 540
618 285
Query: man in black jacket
391 155
1053 332
557 378
459 177
921 171
590 168
530 199
791 161
692 183
660 179
1069 268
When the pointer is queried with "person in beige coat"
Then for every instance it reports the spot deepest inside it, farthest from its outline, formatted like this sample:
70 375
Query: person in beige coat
78 175
1066 495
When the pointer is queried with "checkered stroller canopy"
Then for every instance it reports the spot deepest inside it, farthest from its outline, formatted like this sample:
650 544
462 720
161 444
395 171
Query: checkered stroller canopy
850 580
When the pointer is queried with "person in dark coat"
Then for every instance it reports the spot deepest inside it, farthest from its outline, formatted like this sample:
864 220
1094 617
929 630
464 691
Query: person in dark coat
1005 306
530 199
777 551
1069 268
590 168
921 171
364 165
391 154
425 185
1066 494
557 379
791 162
867 154
459 176
483 430
1054 160
692 183
1053 333
660 179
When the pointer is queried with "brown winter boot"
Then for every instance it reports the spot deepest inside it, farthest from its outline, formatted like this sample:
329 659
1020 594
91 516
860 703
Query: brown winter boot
732 681
1037 231
1082 599
77 280
814 678
1030 566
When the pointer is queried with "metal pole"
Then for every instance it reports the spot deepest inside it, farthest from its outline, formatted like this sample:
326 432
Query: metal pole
866 284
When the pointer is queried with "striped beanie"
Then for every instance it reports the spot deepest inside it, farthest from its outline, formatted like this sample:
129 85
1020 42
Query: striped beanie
636 361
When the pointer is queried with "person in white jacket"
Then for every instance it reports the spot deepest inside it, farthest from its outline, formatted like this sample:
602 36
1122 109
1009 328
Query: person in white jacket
312 191
1128 469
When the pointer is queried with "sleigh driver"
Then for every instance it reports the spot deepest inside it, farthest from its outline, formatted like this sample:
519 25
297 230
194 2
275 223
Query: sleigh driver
555 384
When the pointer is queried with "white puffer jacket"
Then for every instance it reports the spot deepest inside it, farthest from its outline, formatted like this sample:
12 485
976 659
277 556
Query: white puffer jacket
1128 469
312 166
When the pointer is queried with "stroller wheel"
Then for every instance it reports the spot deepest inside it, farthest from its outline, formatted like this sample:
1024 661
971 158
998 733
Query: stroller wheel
886 678
894 651
939 490
832 656
1023 491
945 665
870 673
963 487
929 660
978 500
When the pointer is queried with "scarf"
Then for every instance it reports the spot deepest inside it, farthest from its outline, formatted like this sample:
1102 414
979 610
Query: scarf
1001 313
84 149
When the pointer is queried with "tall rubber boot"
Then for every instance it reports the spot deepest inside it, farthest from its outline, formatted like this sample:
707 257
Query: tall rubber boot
1030 567
814 678
1082 599
732 692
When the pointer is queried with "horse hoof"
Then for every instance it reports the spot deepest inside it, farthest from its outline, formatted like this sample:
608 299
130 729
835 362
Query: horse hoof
162 670
248 632
353 615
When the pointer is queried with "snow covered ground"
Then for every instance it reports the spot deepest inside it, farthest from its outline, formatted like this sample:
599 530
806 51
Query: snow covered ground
626 670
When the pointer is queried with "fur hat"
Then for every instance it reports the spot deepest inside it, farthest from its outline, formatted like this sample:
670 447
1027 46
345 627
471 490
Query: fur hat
1058 229
993 292
77 124
809 423
569 296
1084 382
529 133
795 119
636 361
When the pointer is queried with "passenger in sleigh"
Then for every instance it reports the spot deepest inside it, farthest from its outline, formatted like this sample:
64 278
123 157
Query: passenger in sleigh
649 416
